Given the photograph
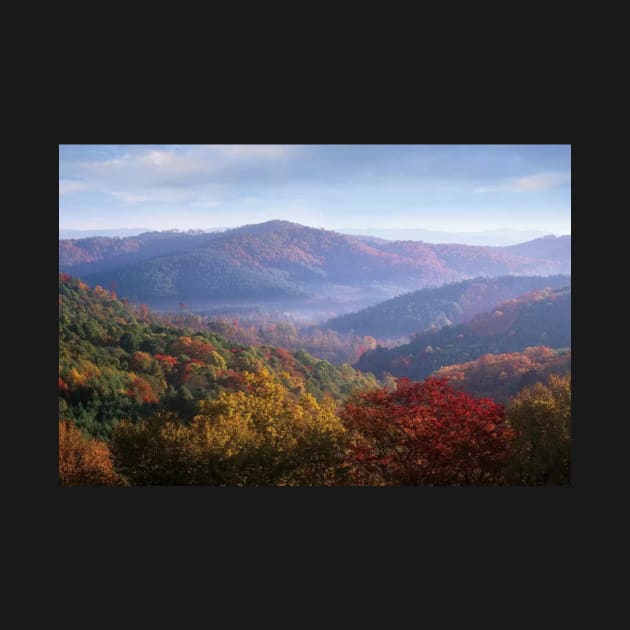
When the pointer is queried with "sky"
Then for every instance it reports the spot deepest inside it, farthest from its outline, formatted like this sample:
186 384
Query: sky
455 188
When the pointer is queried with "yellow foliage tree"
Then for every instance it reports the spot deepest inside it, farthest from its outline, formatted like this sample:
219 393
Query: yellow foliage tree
261 435
267 435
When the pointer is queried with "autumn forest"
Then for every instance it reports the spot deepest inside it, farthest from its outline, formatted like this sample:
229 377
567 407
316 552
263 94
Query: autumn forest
156 397
271 353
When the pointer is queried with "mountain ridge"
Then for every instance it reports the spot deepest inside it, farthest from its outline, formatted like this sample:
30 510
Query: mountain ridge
537 318
280 259
449 304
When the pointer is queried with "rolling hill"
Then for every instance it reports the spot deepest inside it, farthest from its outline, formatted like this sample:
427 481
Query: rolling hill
115 363
538 318
452 303
501 376
281 260
556 248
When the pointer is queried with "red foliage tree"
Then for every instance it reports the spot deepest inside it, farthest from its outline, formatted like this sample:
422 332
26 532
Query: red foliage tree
167 360
193 347
141 391
425 433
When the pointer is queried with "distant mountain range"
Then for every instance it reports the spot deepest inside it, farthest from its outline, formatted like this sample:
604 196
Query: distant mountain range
122 232
280 260
486 237
538 318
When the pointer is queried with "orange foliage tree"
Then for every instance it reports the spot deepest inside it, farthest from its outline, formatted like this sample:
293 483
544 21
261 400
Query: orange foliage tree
83 461
140 390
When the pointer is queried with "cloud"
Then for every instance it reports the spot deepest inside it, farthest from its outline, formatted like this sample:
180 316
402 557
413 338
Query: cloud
247 152
152 174
66 186
205 204
531 183
157 196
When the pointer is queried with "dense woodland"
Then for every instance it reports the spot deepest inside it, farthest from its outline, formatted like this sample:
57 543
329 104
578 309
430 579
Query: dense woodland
145 399
256 330
279 260
115 363
433 308
502 376
538 318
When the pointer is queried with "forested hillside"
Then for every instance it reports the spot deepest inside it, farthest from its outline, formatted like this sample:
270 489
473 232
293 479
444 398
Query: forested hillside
147 403
115 364
447 305
281 260
414 329
534 319
97 253
501 376
548 248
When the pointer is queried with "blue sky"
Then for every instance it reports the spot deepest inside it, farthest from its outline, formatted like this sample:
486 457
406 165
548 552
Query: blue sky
437 187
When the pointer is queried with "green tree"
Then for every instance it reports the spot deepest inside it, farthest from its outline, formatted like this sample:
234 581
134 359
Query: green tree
155 451
129 342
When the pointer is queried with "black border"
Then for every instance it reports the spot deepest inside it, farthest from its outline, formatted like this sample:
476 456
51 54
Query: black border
500 528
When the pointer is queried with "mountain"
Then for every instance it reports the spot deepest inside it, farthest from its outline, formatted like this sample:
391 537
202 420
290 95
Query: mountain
548 248
539 318
486 237
100 253
119 232
451 303
115 363
501 376
69 234
280 260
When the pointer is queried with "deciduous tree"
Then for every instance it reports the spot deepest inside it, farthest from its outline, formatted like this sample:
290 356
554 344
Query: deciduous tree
425 433
84 461
541 417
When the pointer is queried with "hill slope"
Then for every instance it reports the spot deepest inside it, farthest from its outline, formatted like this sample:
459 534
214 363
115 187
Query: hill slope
115 364
501 376
279 259
449 304
556 248
534 319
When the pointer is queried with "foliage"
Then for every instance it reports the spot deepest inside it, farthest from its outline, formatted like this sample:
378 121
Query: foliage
176 403
84 461
323 343
538 318
436 307
501 376
425 434
115 363
541 418
262 434
277 260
